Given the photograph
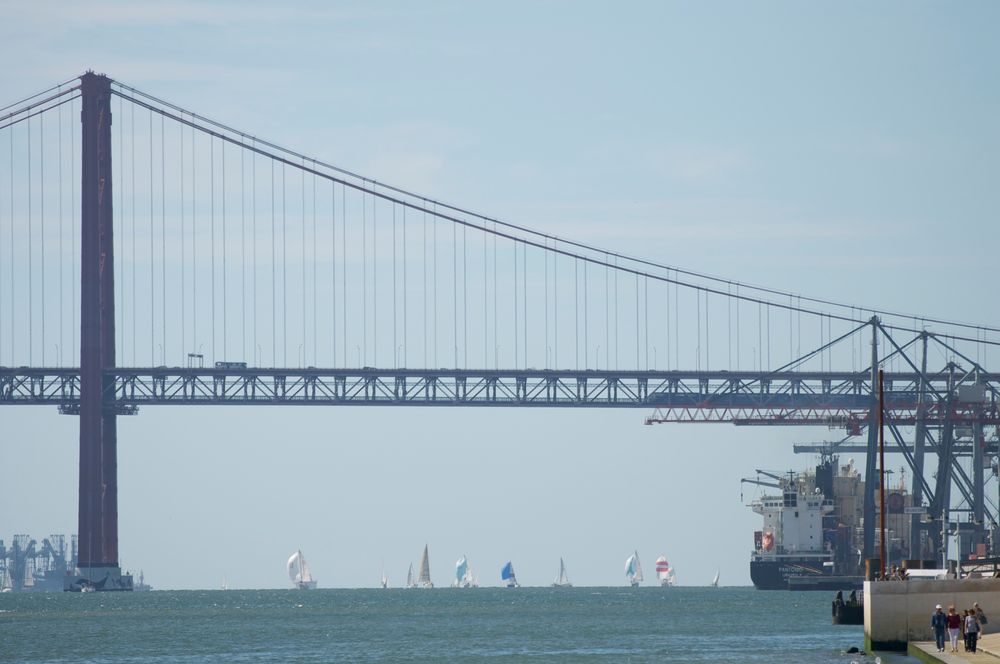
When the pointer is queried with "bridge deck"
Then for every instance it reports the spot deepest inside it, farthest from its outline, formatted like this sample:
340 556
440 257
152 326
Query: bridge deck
742 397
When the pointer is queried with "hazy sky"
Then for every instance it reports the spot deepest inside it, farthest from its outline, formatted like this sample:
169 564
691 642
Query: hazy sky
845 150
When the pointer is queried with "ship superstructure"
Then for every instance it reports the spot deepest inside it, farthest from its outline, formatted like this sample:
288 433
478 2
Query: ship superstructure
811 527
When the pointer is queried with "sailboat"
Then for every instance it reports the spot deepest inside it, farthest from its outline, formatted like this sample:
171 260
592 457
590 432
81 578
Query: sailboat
715 581
409 578
384 583
562 581
508 577
463 574
633 569
298 572
424 576
665 572
225 584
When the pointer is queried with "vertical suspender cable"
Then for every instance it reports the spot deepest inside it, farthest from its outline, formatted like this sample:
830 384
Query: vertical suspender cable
454 281
729 325
343 269
225 271
405 364
395 347
697 362
708 340
333 271
486 319
163 237
152 265
62 255
243 251
41 216
10 137
315 310
194 248
274 285
465 298
617 328
760 348
423 226
211 164
496 345
769 365
364 273
524 298
516 312
305 347
576 309
434 275
184 345
607 313
374 277
791 335
677 325
31 285
586 319
669 336
284 272
638 326
738 337
555 303
253 246
74 227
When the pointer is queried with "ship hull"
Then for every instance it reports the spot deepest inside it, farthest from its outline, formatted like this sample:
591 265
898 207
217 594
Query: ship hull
798 574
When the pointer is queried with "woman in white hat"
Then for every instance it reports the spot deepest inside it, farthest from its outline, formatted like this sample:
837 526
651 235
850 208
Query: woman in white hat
939 622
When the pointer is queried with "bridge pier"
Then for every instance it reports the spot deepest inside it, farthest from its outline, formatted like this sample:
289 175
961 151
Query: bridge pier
97 567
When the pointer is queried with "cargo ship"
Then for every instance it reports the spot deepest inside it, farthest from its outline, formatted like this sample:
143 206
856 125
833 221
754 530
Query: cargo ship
811 534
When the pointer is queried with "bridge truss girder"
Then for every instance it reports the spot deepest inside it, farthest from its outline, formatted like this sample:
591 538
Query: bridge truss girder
745 398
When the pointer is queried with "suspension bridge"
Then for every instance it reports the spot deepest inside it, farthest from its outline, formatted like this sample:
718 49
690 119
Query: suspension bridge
151 255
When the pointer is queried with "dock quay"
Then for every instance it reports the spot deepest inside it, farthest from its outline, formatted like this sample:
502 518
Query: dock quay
898 613
987 652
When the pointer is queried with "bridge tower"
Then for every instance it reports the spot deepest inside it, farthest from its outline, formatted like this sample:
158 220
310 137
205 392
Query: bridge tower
98 566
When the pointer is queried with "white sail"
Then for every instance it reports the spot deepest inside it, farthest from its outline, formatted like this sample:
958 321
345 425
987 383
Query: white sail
562 581
424 576
306 575
633 569
715 581
409 577
461 570
298 572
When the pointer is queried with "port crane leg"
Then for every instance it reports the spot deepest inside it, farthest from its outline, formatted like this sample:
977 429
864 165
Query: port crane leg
919 441
871 460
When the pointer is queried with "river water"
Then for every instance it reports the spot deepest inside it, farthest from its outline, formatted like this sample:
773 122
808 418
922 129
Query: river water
440 625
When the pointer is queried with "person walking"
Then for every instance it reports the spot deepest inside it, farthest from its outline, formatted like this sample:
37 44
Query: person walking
972 629
954 627
980 616
939 621
965 632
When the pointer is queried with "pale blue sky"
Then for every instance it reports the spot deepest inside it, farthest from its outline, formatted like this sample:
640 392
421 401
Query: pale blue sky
848 151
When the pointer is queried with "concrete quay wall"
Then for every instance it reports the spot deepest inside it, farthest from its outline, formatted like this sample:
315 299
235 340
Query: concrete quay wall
897 612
